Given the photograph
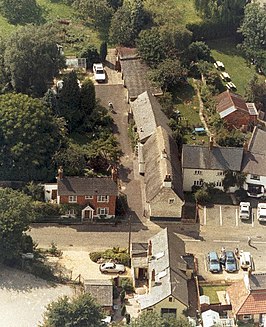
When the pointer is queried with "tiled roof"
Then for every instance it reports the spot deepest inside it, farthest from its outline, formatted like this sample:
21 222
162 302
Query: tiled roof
237 294
255 158
86 186
148 115
158 166
255 303
219 158
257 282
170 267
228 100
101 290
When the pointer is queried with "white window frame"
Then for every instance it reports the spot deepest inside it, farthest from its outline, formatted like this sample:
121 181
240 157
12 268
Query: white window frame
255 177
247 317
103 198
88 197
99 211
71 212
220 173
72 199
171 201
198 183
219 183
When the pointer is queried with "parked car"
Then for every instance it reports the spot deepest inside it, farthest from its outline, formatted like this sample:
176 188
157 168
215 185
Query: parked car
98 72
110 267
244 210
230 262
246 260
213 262
261 211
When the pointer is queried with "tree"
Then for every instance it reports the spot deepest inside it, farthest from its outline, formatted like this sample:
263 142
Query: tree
31 71
79 312
103 51
15 216
91 54
198 51
169 74
234 138
21 11
127 22
87 99
256 92
153 319
69 102
253 30
29 137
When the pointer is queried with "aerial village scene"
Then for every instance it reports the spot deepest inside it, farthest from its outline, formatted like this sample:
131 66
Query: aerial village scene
132 163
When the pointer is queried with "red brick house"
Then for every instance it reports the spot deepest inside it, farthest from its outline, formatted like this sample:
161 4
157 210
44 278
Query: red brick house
248 299
96 195
233 109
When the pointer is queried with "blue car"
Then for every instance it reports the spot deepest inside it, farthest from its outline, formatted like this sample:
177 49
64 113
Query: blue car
213 262
230 262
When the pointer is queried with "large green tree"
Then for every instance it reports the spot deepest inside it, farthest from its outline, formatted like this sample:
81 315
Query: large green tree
256 92
29 138
79 312
21 11
15 216
127 22
253 29
31 59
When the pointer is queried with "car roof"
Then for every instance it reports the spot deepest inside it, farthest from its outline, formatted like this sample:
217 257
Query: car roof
99 65
229 253
108 264
213 255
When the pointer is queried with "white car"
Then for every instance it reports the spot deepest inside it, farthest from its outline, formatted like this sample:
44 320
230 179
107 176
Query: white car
261 212
110 267
245 260
244 210
99 73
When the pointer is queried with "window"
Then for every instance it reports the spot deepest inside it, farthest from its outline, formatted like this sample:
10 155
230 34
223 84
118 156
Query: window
219 183
103 198
88 197
171 201
220 173
255 177
197 172
247 317
198 183
72 199
102 211
167 312
170 299
71 212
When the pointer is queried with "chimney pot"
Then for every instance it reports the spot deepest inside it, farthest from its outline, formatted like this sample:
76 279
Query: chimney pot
60 173
211 142
150 248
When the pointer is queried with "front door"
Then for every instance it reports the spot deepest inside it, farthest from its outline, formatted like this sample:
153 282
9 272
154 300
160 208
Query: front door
88 214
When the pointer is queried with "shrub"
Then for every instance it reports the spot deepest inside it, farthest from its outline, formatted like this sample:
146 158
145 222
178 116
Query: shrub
122 296
123 258
202 196
41 270
127 285
43 209
53 250
123 310
95 256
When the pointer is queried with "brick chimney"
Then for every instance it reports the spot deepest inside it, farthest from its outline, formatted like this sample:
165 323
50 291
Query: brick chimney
211 142
167 181
245 146
149 249
114 174
60 173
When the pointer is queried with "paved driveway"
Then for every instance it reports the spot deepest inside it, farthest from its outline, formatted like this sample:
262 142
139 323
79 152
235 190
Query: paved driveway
23 298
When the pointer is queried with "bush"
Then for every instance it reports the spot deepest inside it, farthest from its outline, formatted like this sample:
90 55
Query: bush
122 296
41 270
123 310
127 285
95 256
202 196
123 258
44 209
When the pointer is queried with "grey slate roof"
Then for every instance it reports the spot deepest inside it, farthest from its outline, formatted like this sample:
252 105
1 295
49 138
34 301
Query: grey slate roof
148 115
86 186
101 290
134 72
254 161
156 167
219 158
169 266
257 282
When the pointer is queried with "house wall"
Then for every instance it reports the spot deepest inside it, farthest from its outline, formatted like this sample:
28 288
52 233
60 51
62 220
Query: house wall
175 304
208 176
261 181
160 206
48 190
64 199
239 118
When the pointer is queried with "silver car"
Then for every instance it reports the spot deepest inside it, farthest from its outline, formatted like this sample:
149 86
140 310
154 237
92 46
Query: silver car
110 267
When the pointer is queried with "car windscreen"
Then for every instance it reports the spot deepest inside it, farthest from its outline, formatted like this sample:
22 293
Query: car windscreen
99 71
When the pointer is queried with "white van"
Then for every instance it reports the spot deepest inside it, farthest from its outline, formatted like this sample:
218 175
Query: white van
245 260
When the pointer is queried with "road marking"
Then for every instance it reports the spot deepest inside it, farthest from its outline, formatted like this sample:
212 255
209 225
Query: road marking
190 240
221 217
252 219
258 242
204 216
236 218
222 241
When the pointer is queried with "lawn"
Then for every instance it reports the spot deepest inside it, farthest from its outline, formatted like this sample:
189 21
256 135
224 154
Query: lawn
236 66
211 291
